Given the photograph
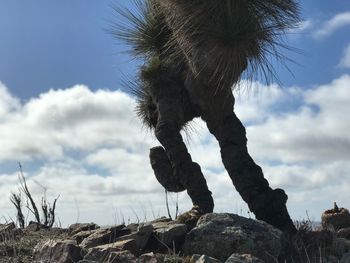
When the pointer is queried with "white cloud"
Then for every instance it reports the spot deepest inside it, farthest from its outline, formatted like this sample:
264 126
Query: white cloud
336 22
316 133
345 61
95 153
7 102
303 26
70 119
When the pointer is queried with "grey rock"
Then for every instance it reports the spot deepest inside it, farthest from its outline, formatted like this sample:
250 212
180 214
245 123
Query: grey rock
162 219
34 226
104 236
169 232
80 236
243 258
206 259
102 253
78 227
221 235
121 257
65 251
133 227
140 238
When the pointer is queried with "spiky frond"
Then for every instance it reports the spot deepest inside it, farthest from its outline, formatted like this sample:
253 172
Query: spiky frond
143 28
220 39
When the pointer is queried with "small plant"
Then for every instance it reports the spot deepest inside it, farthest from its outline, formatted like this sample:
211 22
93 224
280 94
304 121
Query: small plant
48 211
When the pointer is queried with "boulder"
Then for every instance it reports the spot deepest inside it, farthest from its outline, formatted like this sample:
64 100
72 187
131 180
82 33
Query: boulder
80 236
102 253
79 227
243 258
104 236
221 235
169 233
35 226
336 218
140 238
65 251
133 227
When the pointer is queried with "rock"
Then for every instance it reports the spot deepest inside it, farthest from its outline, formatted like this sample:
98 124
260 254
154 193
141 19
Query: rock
79 227
80 236
162 219
345 258
344 233
336 218
204 259
133 227
104 236
34 226
65 251
168 233
140 238
221 235
102 253
243 258
121 257
151 258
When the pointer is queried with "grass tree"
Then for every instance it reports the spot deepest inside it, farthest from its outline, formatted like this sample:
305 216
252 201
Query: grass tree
195 53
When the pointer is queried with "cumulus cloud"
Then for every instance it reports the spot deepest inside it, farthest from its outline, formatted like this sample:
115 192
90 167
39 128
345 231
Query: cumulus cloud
345 61
8 103
70 119
303 26
333 24
95 152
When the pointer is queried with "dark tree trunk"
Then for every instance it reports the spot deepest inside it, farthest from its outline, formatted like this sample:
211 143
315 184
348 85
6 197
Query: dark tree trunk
217 110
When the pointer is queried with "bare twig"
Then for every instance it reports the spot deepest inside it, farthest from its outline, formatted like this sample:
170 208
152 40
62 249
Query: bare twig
16 200
28 194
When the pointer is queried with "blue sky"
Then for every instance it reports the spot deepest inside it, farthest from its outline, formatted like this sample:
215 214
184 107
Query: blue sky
65 115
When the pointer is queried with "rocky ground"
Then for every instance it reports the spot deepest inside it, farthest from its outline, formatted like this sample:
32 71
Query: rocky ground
226 238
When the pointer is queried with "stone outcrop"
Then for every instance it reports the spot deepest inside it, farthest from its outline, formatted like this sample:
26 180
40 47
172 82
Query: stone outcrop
221 235
336 218
104 236
66 251
216 238
169 233
79 227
